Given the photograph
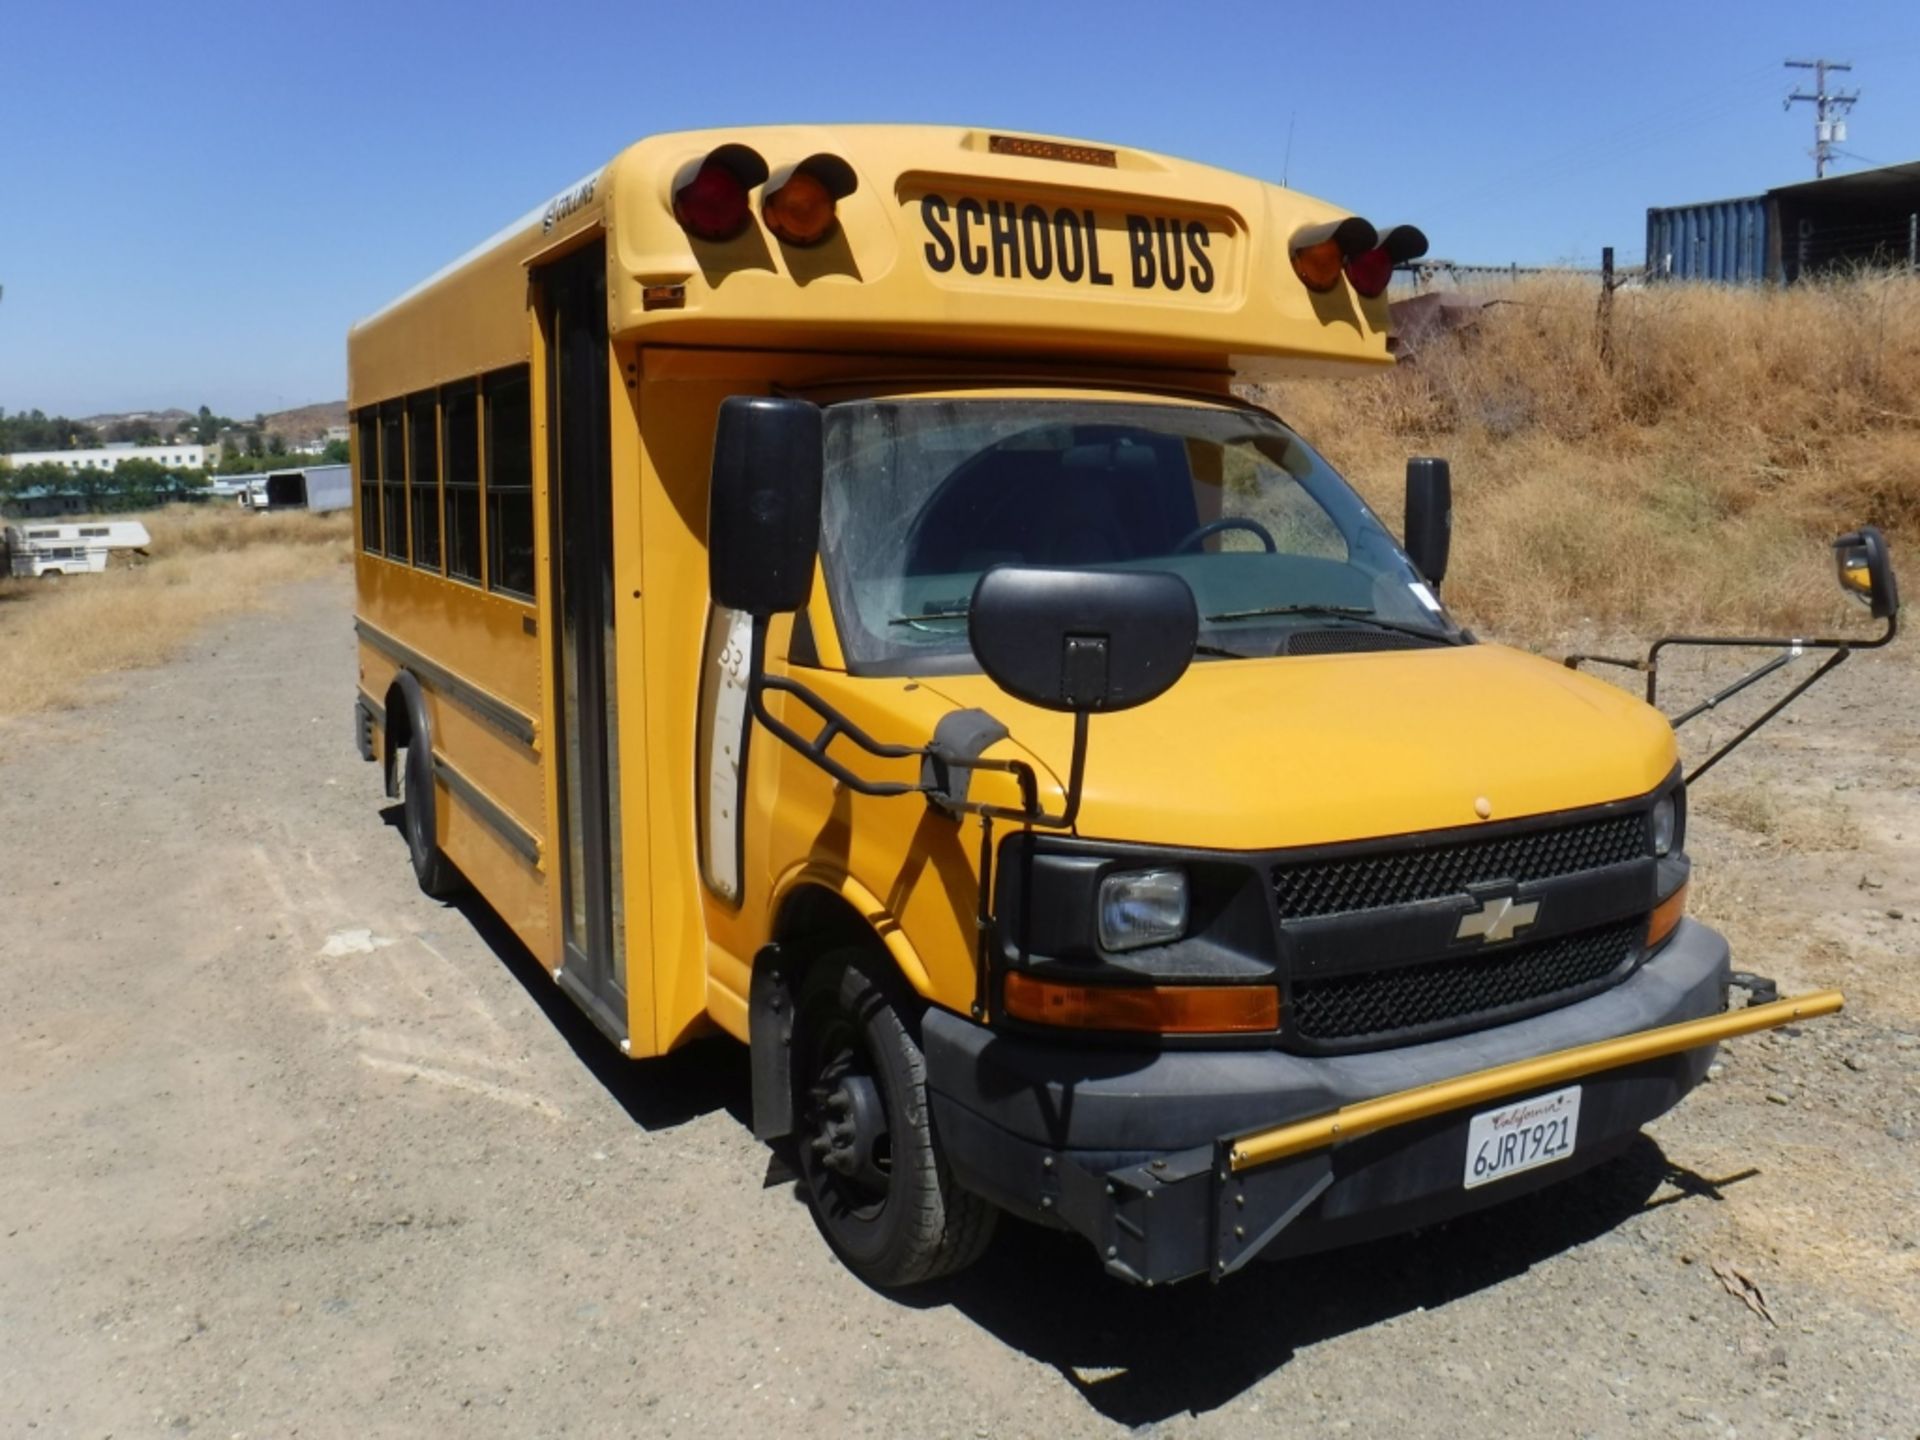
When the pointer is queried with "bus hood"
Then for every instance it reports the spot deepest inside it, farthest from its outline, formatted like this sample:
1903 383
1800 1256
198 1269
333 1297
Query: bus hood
1260 754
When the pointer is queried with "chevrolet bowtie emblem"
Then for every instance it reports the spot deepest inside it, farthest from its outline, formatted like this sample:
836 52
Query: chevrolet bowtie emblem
1496 919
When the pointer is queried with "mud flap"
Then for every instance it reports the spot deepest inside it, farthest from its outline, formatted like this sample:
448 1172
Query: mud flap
769 1044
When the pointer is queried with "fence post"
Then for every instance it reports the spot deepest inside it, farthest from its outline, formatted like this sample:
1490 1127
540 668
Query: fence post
1913 243
1606 306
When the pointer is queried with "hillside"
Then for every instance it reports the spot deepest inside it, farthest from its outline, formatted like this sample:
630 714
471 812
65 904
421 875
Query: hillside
298 426
1695 480
307 421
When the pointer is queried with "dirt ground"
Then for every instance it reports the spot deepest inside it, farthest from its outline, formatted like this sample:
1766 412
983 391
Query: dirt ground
287 1148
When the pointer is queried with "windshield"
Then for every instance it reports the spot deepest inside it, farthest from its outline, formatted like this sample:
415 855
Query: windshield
923 496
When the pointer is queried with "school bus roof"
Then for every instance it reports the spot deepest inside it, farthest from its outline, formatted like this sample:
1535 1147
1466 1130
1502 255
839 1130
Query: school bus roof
952 241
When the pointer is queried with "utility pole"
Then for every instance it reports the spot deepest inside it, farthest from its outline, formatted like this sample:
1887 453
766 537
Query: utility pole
1829 108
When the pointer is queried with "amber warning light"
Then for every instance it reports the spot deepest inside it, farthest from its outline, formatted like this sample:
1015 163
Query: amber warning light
801 206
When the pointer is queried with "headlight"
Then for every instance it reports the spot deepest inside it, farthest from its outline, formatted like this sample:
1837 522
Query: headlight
1142 907
1663 823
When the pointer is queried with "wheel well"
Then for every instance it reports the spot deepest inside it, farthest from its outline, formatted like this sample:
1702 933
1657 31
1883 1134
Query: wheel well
399 717
813 921
399 728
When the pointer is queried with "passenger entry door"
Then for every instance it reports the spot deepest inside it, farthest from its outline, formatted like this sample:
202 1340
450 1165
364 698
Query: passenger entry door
579 467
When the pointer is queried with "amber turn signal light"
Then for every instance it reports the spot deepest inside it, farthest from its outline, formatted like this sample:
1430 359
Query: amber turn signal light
1318 266
1321 251
1145 1009
800 212
1666 918
801 205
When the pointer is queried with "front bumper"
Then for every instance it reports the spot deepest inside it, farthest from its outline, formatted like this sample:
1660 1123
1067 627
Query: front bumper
1178 1163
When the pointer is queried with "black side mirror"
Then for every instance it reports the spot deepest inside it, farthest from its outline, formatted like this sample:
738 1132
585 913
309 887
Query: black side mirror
1866 571
1429 516
763 516
1083 640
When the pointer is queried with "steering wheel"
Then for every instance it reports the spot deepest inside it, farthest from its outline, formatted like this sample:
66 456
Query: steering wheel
1227 522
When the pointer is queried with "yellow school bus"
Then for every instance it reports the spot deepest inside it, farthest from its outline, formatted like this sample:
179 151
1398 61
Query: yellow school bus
819 584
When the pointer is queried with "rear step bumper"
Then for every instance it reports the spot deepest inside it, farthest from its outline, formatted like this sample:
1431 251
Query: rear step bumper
1179 1163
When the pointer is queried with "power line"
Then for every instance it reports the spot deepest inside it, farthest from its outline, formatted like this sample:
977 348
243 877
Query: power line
1829 108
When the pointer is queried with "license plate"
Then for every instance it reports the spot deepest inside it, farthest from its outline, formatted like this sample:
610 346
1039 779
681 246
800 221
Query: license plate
1522 1136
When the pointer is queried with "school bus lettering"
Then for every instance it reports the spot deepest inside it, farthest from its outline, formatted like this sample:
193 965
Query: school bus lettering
1061 781
1012 240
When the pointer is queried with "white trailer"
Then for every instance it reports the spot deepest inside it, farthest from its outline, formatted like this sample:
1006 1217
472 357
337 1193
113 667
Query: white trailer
40 551
318 489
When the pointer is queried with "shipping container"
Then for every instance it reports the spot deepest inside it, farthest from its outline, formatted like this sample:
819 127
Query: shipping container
1721 240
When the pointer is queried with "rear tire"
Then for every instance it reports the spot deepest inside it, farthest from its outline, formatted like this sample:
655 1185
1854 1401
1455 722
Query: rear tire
879 1188
431 867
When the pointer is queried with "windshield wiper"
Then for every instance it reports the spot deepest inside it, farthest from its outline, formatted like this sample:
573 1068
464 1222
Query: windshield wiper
1355 612
929 616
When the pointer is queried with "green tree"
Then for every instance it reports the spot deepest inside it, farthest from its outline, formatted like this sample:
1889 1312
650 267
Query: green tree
336 452
36 430
141 431
276 445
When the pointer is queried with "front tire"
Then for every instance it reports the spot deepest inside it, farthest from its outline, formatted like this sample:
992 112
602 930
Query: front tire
879 1188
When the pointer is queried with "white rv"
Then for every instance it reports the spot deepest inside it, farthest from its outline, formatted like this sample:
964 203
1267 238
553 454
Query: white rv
39 551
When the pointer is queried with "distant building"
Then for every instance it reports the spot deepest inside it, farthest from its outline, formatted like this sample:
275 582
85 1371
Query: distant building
39 502
174 457
1793 232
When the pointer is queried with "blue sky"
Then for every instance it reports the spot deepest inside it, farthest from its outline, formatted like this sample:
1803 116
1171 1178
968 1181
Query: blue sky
197 200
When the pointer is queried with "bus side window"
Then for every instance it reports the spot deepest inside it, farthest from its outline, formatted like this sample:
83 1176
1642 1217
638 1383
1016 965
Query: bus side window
423 477
460 478
393 479
369 457
509 422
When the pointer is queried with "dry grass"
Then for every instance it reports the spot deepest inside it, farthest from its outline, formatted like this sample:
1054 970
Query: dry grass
1695 481
1793 819
55 635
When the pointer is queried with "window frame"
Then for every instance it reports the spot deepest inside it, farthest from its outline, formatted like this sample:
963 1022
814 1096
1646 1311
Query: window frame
451 397
424 499
393 487
366 459
490 384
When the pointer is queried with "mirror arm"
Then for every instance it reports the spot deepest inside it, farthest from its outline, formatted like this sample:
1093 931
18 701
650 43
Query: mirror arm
1832 663
1713 702
835 726
1791 650
1756 642
1030 812
1574 662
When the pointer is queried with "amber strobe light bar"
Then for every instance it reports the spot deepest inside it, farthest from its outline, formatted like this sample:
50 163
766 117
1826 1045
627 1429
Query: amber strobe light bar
1352 247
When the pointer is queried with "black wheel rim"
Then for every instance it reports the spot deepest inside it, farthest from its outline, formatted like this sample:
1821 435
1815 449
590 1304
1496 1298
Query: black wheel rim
844 1136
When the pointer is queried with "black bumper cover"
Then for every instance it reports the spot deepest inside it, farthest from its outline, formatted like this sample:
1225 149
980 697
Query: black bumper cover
1127 1147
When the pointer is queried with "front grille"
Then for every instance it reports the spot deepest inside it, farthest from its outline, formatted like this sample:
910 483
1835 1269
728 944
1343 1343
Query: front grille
1343 884
1335 641
1443 992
